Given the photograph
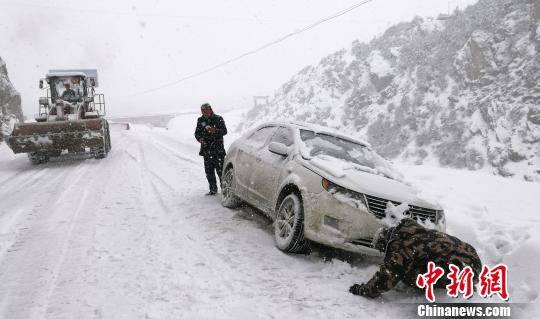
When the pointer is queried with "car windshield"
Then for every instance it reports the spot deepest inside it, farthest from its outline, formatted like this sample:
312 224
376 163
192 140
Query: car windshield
326 144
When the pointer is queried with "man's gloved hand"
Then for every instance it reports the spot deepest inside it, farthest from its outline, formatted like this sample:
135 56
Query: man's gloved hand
357 289
360 290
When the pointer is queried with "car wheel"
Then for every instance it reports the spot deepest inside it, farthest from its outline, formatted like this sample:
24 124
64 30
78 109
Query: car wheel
289 225
228 198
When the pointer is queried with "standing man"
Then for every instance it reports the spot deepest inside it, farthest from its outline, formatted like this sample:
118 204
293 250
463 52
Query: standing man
209 132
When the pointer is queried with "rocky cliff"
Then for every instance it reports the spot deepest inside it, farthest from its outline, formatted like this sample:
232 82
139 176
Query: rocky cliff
10 103
461 91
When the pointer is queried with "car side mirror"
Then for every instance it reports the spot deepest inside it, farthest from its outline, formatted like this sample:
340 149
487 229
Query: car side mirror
278 148
41 84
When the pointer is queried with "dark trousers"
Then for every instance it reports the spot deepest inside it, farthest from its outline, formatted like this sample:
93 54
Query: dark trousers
213 164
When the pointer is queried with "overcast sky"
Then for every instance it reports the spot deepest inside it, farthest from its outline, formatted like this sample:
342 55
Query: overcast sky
141 44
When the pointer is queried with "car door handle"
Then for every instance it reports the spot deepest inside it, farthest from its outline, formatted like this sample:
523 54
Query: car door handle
258 159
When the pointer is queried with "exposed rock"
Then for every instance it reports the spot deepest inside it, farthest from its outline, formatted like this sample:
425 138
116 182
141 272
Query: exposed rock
10 103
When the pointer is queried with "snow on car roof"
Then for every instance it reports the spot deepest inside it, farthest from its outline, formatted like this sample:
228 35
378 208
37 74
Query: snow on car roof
323 129
312 127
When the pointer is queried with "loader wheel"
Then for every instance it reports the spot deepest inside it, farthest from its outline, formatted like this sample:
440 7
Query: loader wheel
99 152
108 145
38 158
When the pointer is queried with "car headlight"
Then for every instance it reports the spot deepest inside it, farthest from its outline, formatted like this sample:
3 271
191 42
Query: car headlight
352 198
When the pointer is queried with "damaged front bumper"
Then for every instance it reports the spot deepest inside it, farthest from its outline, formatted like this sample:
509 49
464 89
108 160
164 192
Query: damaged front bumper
338 224
343 219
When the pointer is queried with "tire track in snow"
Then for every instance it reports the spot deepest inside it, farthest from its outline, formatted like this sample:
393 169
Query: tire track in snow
226 257
18 166
151 287
194 147
163 151
226 249
100 175
112 275
36 253
162 237
178 155
40 309
158 143
25 180
155 242
26 211
62 257
10 176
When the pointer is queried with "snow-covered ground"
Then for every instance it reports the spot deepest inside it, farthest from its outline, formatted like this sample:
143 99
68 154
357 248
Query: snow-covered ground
133 236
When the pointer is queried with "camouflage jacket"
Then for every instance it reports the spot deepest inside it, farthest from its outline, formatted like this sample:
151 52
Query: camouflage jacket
409 249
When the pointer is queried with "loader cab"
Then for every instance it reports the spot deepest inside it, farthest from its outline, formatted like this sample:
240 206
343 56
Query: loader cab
71 89
77 87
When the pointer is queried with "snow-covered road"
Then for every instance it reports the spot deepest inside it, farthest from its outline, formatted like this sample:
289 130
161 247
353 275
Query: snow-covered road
133 236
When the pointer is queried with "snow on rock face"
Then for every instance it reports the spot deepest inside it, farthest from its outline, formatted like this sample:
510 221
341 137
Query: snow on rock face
10 103
378 65
461 92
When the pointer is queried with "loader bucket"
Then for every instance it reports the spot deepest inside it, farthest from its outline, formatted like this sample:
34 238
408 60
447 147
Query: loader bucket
54 137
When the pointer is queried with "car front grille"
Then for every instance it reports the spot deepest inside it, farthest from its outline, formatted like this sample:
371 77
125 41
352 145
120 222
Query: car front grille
377 207
365 241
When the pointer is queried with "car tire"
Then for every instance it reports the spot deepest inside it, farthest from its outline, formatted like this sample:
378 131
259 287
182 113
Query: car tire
228 198
289 225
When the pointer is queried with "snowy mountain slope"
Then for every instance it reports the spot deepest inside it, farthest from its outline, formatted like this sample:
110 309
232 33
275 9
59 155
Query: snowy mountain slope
462 92
10 102
133 236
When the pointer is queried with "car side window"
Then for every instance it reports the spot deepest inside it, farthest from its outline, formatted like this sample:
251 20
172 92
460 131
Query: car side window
259 137
283 135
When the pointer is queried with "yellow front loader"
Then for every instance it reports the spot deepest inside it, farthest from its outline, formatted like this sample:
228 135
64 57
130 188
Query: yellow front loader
70 119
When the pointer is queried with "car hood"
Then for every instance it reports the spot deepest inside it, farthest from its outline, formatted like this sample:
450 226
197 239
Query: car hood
359 180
